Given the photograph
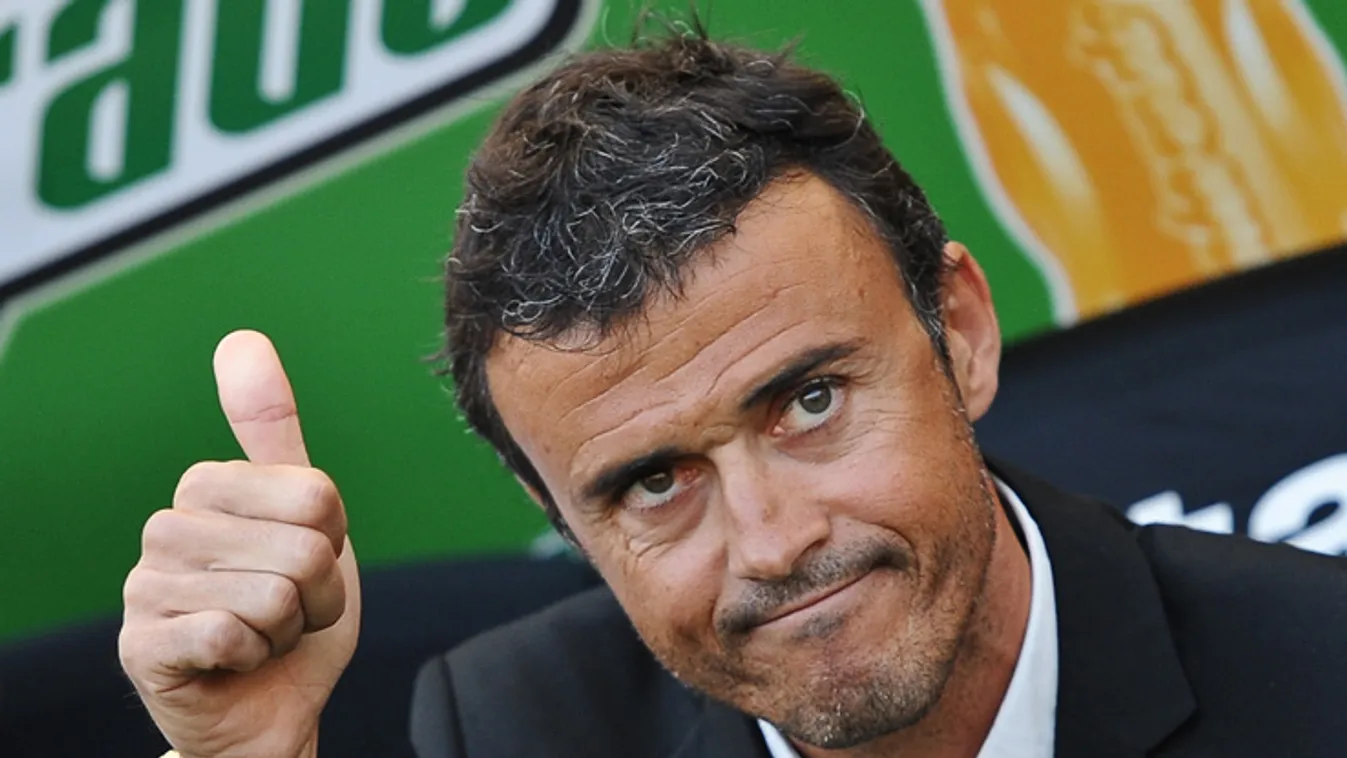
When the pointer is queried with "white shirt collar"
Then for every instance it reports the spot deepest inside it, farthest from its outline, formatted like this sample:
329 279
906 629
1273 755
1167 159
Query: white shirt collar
1025 724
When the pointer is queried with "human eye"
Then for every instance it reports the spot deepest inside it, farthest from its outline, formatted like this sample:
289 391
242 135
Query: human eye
812 406
655 489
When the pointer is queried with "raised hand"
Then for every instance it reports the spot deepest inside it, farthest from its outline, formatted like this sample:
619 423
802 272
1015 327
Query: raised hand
245 606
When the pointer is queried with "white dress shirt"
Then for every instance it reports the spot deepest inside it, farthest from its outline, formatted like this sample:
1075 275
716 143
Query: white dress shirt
1026 722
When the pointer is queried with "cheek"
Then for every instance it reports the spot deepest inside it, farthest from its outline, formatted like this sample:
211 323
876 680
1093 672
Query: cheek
902 469
669 593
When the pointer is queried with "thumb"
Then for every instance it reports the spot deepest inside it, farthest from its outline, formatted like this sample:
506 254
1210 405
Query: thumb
256 397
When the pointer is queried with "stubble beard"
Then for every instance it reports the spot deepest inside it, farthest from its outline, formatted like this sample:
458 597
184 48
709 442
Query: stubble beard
850 705
876 698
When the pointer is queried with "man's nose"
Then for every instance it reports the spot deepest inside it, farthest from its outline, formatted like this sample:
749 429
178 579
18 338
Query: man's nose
770 524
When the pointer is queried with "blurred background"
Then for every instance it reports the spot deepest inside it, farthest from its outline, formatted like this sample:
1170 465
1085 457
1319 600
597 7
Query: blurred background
1157 190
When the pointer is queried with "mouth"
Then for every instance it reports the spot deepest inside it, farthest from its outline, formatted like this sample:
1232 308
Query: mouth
812 600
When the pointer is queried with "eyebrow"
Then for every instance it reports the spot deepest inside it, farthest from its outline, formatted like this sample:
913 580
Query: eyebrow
616 478
795 372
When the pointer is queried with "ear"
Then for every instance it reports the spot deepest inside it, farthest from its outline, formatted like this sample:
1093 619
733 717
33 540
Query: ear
971 330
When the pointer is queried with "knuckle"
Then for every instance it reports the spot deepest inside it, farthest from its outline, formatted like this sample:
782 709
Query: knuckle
221 637
197 484
136 593
320 503
329 611
312 554
280 600
131 649
162 530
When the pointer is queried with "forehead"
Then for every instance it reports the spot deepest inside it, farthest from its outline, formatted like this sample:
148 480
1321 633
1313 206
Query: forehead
802 269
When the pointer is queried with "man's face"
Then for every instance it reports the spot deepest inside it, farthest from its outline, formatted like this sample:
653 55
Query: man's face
775 473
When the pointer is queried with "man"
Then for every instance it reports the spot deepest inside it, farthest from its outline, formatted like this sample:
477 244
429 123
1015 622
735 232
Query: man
721 338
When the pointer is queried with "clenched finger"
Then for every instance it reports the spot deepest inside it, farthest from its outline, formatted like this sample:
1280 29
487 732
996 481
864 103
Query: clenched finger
291 494
182 541
205 641
268 603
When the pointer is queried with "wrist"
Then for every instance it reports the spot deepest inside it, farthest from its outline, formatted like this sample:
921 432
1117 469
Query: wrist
309 750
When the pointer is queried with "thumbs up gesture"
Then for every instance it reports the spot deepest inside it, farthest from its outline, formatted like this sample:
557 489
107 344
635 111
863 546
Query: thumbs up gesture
245 605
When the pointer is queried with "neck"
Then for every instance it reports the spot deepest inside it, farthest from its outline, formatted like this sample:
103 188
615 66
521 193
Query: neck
959 722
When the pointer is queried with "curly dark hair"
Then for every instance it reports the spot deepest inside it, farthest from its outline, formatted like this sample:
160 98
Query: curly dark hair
600 182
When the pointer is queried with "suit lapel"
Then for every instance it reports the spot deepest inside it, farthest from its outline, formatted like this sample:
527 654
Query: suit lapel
1121 689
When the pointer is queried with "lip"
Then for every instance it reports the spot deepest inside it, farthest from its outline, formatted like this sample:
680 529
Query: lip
811 601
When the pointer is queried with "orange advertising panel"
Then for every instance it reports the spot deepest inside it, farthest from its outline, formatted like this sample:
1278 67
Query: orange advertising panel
1137 146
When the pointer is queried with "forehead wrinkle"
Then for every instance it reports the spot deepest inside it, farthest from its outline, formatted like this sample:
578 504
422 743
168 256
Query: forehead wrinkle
724 290
748 354
680 368
732 261
619 364
716 261
704 405
700 397
637 368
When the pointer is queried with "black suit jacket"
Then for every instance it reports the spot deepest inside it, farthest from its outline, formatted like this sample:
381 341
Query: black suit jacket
1172 643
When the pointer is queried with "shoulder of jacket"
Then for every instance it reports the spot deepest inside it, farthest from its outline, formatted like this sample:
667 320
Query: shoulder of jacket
572 679
1238 590
1203 560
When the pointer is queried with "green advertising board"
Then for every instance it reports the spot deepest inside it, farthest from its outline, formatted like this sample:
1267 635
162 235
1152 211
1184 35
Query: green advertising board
171 170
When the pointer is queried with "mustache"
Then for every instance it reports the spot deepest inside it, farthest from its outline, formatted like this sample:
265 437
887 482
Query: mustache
820 572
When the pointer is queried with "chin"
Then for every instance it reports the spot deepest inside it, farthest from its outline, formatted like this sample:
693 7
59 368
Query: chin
851 708
860 678
860 700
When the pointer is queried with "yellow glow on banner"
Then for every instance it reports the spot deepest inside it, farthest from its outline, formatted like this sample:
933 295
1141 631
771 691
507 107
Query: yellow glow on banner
1138 146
